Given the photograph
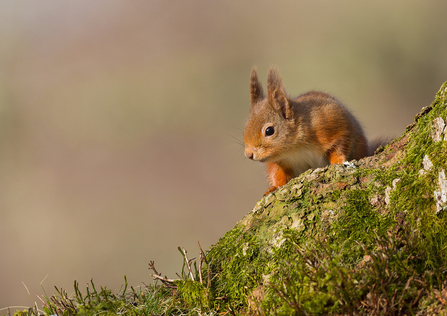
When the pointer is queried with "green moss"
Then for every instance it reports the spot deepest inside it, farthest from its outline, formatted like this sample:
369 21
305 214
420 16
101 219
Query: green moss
195 294
343 239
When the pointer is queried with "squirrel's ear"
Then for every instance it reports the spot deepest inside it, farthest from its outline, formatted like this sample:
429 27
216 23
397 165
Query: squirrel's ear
277 95
256 93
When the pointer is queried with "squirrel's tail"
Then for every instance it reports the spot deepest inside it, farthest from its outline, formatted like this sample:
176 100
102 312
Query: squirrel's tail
376 143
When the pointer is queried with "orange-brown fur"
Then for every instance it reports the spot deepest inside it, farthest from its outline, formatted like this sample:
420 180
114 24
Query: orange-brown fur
312 130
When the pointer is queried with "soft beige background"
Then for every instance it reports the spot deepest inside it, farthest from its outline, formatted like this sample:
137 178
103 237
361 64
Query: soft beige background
121 122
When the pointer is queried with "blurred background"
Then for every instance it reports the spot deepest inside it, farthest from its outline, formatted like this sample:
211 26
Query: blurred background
121 122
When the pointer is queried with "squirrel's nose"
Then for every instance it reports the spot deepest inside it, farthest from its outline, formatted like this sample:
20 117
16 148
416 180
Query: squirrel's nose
248 153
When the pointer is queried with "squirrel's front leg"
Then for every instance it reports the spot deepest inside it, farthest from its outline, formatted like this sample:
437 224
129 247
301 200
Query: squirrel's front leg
336 155
278 176
336 158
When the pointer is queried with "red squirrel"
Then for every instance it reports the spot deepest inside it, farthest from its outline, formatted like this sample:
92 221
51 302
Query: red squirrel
293 135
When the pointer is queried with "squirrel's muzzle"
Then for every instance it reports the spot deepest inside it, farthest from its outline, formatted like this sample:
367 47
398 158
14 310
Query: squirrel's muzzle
249 153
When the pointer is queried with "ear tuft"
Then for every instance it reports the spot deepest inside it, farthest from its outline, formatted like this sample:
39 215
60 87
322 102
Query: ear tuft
256 93
274 81
277 95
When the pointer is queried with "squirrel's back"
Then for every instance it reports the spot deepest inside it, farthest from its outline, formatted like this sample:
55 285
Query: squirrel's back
329 123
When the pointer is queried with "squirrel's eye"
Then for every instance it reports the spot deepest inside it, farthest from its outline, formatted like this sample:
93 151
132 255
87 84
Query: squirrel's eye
269 131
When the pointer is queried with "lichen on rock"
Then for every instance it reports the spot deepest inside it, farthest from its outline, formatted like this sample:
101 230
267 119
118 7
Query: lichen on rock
441 192
438 129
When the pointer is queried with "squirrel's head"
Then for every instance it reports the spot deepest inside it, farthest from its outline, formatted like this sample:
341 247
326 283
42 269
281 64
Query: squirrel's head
271 120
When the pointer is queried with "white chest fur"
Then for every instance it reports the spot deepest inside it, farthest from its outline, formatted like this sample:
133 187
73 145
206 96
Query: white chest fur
304 159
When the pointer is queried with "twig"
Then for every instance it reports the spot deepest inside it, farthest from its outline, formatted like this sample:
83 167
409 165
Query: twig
202 252
152 267
191 275
200 269
167 282
158 277
201 257
407 285
439 298
418 297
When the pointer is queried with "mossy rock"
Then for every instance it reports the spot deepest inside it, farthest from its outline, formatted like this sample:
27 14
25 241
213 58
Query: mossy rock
365 237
